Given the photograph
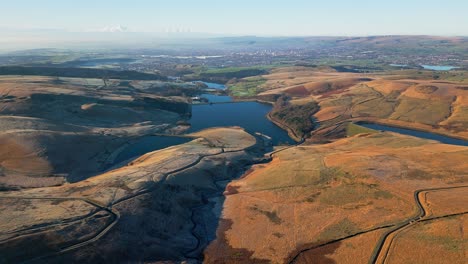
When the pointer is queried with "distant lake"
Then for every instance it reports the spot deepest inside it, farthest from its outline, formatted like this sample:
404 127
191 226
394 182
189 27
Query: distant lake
416 133
249 115
398 65
438 67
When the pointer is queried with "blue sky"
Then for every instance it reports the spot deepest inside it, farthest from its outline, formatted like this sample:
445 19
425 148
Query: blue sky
242 17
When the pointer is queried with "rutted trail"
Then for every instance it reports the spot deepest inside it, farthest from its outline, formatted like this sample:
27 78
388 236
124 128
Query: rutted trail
383 248
216 148
115 214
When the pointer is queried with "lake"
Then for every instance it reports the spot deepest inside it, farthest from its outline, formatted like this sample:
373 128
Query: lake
416 133
148 144
212 98
249 115
438 67
216 86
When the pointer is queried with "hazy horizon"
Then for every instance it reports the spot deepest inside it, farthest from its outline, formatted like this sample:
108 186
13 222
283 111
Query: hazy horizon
53 23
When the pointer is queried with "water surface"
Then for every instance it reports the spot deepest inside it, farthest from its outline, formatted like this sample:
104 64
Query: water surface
216 86
212 98
148 144
249 115
438 67
416 133
223 112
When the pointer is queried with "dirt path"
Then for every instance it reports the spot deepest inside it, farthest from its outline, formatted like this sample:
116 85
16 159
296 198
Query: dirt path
383 248
191 254
115 214
112 211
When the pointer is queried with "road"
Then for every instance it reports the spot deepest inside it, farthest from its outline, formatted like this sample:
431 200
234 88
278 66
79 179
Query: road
112 211
382 249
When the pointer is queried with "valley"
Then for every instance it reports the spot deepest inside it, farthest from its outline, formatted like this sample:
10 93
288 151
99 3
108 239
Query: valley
165 159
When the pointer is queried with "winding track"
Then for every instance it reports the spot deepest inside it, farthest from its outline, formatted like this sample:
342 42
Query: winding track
382 249
380 254
115 214
189 254
109 209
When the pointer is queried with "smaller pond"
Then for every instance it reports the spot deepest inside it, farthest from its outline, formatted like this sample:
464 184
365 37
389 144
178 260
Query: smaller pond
148 144
438 67
416 133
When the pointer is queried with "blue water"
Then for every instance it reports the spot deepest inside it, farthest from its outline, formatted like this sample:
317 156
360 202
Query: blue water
215 86
148 144
212 98
419 134
438 67
249 115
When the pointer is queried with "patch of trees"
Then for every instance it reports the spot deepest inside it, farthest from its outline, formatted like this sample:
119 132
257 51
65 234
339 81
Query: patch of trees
297 117
306 64
354 69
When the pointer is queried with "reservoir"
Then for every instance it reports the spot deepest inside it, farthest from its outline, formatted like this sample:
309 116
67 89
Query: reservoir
148 144
438 68
249 115
416 133
216 86
212 98
222 112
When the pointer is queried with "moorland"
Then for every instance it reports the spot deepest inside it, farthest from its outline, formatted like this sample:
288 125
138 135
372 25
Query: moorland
342 193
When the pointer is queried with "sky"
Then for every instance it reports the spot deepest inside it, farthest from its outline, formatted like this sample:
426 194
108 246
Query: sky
244 17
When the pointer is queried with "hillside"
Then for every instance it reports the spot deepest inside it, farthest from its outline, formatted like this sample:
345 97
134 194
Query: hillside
402 98
334 203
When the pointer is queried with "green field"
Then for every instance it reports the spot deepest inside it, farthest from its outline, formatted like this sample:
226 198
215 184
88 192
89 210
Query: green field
353 129
246 87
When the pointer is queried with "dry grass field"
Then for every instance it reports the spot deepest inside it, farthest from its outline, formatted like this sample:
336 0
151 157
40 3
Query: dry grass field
441 241
309 196
54 130
166 185
405 98
361 196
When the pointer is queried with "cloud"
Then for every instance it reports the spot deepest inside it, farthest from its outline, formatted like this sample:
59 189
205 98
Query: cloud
110 29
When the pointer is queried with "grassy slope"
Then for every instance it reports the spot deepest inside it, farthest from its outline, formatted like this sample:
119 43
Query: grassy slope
354 129
246 87
319 193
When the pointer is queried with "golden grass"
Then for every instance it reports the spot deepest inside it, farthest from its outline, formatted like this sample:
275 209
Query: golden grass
313 194
441 241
